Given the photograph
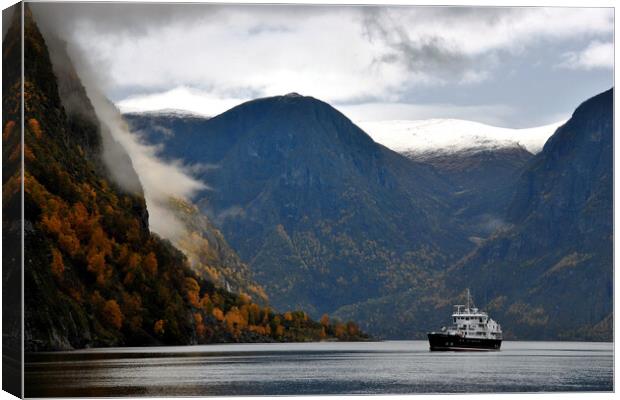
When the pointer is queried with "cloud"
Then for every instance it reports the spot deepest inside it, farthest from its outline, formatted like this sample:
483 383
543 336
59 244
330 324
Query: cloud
374 111
204 54
596 55
183 98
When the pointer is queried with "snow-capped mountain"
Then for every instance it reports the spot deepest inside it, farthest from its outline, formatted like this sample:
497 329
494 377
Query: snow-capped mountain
431 136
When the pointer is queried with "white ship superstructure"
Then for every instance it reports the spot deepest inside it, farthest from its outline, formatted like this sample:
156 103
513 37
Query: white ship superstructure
471 329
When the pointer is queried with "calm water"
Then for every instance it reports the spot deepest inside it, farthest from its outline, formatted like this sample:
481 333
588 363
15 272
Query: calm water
320 368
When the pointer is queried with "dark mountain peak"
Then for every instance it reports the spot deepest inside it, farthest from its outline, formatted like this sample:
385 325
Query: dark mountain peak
292 95
585 125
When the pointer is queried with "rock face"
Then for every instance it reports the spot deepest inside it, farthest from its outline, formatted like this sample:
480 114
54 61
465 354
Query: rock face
483 183
298 188
550 271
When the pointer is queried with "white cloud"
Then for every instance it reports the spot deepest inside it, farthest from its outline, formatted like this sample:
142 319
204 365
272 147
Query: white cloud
596 55
333 53
360 113
181 98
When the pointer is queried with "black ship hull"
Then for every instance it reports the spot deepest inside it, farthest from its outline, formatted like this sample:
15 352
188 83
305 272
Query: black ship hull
445 342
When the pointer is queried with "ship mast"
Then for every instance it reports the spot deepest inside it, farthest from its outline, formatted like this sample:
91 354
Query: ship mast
468 299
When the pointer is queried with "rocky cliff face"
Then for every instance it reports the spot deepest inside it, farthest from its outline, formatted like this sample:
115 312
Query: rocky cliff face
550 271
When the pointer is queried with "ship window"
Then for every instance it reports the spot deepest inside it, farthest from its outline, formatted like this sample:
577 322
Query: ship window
480 319
454 320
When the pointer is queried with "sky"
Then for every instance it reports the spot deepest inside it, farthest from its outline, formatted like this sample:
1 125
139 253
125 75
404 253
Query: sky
509 67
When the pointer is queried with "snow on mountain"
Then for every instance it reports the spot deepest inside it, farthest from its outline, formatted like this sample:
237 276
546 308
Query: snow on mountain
419 137
167 113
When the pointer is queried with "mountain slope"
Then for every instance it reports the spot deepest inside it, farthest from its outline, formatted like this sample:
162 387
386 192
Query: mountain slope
550 271
484 182
297 187
94 274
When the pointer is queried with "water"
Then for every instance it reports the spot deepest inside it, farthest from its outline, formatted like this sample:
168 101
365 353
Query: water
392 367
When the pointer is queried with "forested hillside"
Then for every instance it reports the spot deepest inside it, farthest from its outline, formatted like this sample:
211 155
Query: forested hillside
94 273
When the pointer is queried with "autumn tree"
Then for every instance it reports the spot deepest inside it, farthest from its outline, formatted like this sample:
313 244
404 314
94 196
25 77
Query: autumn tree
112 314
159 327
58 265
150 264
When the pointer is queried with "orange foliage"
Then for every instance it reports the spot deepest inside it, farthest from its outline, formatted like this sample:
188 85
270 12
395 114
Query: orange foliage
159 327
339 330
218 314
192 291
200 327
35 127
134 261
235 321
28 154
244 298
69 243
279 330
99 242
205 302
288 316
52 223
16 153
58 266
150 264
112 314
129 278
325 320
352 328
96 262
8 129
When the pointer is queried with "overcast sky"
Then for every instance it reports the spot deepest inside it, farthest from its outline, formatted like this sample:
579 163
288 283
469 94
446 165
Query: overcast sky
512 67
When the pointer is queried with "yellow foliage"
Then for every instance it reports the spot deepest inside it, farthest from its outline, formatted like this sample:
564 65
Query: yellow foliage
279 330
192 291
235 320
244 298
288 316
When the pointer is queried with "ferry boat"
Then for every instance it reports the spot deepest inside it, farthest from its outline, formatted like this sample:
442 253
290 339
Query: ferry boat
471 329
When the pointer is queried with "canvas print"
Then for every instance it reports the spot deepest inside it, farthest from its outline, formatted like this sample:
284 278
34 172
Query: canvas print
232 199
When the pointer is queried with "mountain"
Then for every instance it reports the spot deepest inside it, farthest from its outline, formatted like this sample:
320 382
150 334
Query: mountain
94 274
482 162
303 195
549 271
209 254
420 138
